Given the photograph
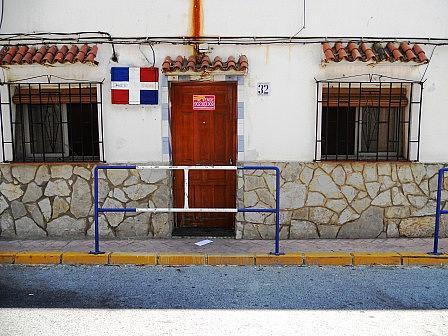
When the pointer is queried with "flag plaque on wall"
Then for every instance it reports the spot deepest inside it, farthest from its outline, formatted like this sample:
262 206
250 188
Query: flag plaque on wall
135 86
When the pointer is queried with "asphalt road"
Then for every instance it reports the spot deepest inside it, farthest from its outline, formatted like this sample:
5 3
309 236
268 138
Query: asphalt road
223 287
223 300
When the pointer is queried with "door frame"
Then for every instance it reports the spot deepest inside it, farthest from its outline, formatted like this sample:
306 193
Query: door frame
236 143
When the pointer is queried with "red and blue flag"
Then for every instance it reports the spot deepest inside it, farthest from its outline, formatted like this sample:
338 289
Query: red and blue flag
135 86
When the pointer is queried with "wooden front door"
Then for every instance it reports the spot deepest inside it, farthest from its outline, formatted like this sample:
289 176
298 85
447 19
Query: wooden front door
204 137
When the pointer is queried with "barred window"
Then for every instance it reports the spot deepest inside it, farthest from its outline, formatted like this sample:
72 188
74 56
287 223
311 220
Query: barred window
368 121
54 123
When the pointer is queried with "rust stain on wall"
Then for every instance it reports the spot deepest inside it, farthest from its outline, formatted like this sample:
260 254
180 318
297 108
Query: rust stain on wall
196 18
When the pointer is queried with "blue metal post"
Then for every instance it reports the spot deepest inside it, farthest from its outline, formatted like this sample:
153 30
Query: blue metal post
438 211
277 211
97 209
95 213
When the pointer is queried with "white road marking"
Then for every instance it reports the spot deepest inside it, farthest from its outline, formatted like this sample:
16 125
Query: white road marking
16 321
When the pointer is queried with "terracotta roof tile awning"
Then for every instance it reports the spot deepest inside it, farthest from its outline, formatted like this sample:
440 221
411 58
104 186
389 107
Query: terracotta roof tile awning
202 63
373 52
11 55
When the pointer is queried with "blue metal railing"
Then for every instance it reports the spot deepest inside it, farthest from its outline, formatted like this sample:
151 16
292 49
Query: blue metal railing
275 210
98 210
439 211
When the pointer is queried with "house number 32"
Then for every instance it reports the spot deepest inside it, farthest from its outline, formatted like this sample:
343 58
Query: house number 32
263 89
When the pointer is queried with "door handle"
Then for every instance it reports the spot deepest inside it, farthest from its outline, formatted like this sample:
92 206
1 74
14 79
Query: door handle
231 161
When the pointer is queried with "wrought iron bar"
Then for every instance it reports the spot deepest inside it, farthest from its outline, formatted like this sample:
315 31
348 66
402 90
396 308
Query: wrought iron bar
42 126
381 130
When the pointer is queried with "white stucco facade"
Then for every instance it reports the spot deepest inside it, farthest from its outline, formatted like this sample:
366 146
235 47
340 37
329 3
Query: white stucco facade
278 127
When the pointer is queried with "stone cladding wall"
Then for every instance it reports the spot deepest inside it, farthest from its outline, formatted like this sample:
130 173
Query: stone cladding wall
342 200
56 200
318 200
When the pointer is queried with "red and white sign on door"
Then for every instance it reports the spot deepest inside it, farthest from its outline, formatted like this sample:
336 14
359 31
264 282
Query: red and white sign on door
204 102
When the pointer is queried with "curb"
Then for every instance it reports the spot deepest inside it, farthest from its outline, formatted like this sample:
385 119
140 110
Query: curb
189 259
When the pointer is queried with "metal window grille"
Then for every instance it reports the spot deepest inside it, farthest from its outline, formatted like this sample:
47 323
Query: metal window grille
377 121
52 122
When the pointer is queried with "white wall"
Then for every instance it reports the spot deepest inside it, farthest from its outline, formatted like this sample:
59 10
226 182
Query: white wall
278 127
132 133
232 17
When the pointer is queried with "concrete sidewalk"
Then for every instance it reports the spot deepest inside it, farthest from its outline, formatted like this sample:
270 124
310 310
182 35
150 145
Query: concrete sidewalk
228 246
183 252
